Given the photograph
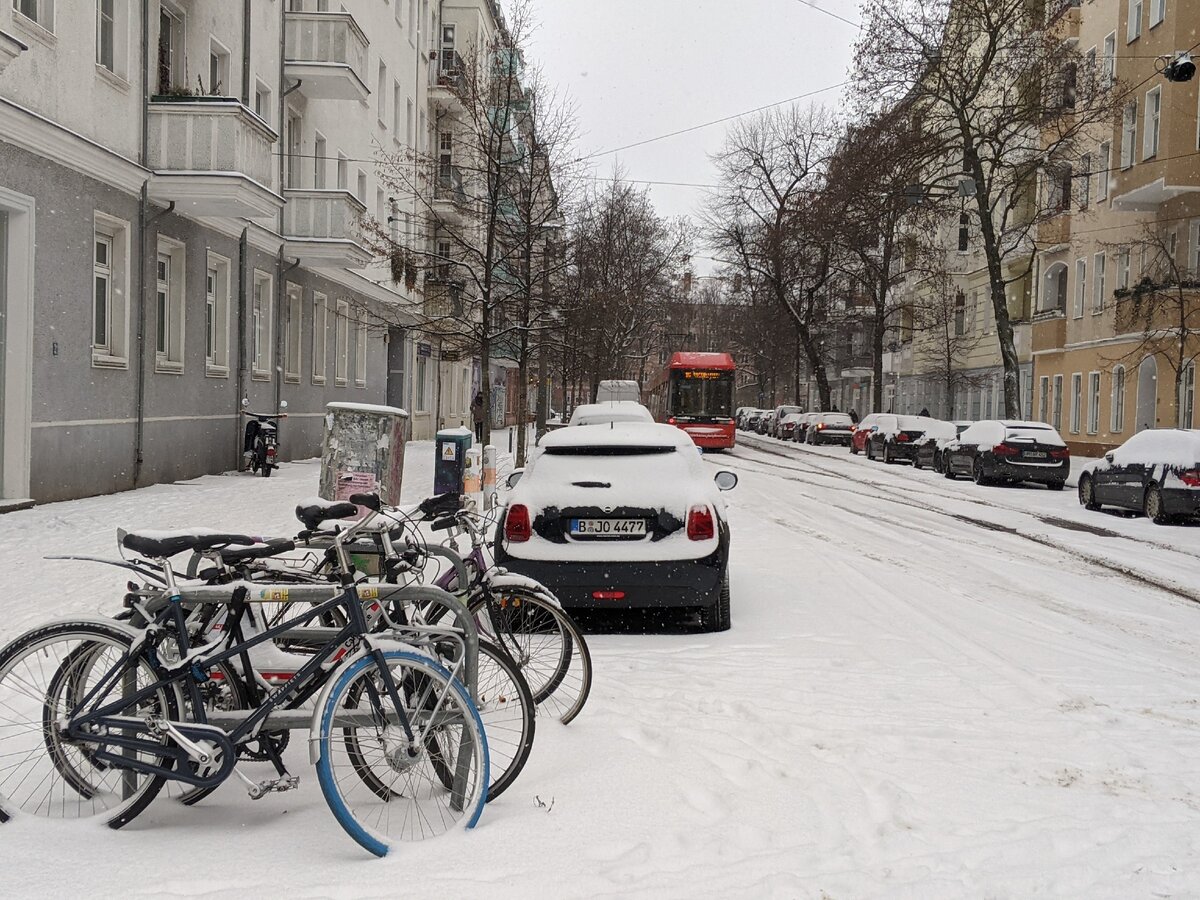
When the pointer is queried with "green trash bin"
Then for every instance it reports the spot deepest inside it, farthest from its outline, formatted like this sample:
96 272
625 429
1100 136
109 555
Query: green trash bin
450 446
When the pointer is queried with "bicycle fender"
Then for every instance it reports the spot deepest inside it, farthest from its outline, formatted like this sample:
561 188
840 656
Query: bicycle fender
370 645
503 579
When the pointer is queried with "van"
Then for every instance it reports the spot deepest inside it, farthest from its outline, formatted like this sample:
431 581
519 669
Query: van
615 390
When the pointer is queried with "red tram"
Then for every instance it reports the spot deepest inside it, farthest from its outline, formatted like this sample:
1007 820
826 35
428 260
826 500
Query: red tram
695 392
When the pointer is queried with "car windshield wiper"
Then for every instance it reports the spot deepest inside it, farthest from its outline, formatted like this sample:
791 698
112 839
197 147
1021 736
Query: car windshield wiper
595 484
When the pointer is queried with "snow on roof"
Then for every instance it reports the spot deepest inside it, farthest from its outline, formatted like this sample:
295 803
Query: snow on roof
627 410
368 408
1162 446
633 434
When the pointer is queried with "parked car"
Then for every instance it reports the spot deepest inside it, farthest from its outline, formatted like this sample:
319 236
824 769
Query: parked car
1156 472
767 422
787 425
801 430
781 413
829 428
740 416
895 437
931 445
604 413
1003 451
753 417
621 517
863 430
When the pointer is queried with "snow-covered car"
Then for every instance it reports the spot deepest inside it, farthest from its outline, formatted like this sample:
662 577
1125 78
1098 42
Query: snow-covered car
829 428
1156 472
863 430
766 422
997 450
787 425
895 437
623 517
741 415
934 441
605 413
753 417
781 413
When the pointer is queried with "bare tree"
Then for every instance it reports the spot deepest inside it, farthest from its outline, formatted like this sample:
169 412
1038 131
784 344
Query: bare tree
1003 100
940 316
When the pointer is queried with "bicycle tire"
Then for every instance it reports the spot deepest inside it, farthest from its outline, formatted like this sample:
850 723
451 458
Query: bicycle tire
356 814
83 642
560 678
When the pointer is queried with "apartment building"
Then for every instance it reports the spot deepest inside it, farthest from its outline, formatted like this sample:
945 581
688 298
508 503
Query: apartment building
183 187
1118 266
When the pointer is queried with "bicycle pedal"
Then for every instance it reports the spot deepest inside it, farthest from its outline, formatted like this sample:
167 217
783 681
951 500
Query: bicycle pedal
274 786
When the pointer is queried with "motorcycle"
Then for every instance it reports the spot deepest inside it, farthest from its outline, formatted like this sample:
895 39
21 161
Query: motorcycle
262 439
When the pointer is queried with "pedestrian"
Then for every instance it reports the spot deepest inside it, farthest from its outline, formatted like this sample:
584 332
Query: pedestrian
477 416
835 409
924 412
854 416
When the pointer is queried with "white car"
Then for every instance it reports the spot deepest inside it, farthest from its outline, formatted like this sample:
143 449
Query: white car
623 517
606 413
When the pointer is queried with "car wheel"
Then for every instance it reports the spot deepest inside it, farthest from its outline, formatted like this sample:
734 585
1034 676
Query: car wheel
978 473
887 454
1087 494
1152 506
1053 485
917 460
868 450
717 618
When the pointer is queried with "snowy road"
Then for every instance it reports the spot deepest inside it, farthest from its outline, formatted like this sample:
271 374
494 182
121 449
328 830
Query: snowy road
931 690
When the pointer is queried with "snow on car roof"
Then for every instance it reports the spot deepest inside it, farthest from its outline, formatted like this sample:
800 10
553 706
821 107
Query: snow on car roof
631 434
630 410
1163 446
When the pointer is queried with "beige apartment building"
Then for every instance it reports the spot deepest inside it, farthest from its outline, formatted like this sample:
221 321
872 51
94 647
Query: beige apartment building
1116 268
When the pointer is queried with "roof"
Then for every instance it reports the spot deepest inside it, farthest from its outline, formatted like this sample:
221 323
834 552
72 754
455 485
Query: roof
634 434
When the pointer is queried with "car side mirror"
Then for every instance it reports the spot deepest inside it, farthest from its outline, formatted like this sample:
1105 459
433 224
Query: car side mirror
726 481
511 481
874 428
245 401
283 404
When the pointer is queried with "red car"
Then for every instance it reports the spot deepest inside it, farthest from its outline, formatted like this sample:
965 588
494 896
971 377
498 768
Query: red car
862 433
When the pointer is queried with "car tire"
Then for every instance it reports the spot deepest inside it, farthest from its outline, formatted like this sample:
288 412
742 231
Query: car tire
1053 485
853 449
1152 506
717 618
917 460
978 472
868 452
887 454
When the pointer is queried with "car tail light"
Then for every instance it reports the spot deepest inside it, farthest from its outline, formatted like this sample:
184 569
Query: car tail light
700 524
671 421
902 437
1006 450
820 426
1060 453
516 524
608 595
1191 479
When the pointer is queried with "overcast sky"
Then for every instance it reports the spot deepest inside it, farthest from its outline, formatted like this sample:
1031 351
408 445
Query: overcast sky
636 69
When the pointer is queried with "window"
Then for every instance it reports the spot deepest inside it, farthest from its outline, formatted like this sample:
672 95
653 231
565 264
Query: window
295 150
291 347
1172 246
1103 164
360 351
40 11
447 54
408 125
216 316
1076 401
1080 285
397 110
1134 26
1108 68
110 292
445 154
1093 416
1099 264
1085 182
964 231
1090 73
960 313
106 34
170 50
1123 268
341 346
320 337
169 294
1158 11
1194 249
362 187
1058 383
1117 415
319 161
260 328
381 95
1044 399
218 70
262 101
422 140
1187 396
1128 133
343 172
1150 130
1058 188
422 376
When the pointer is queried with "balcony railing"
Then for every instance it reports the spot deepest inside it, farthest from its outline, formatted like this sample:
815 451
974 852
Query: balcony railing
327 53
325 226
449 186
212 156
448 72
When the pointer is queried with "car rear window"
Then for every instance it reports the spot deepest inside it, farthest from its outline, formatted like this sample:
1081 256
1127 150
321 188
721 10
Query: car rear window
1030 433
607 450
835 419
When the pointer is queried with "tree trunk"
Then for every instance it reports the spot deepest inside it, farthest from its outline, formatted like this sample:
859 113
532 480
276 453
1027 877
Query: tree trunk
877 359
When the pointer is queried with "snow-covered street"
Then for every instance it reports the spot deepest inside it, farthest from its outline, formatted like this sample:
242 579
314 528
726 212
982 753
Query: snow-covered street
931 689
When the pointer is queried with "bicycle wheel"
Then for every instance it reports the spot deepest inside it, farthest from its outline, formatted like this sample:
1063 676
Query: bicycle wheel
44 675
506 709
360 730
546 645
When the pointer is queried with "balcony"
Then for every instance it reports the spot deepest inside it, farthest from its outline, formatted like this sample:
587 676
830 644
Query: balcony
449 196
10 49
326 53
322 229
1062 18
211 156
1148 185
446 80
1049 329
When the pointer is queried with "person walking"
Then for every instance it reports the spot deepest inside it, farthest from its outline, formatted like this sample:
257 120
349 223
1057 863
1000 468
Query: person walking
924 412
477 416
854 416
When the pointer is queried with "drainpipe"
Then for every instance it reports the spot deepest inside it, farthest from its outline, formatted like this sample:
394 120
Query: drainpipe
243 366
245 55
280 324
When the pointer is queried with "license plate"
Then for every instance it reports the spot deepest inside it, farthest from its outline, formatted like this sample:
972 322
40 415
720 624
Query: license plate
1036 454
608 527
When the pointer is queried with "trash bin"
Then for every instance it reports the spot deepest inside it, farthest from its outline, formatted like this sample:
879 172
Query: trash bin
363 450
451 446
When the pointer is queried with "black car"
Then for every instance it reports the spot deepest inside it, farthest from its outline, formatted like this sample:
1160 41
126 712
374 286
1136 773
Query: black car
1002 451
896 437
933 442
1156 472
829 428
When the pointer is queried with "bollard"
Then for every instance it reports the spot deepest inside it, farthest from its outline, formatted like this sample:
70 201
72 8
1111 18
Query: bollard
489 477
472 478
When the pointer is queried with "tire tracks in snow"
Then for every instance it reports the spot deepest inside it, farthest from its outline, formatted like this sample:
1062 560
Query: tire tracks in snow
1138 576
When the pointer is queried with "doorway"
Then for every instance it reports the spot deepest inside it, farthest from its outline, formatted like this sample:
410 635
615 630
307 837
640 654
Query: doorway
1147 395
395 369
16 340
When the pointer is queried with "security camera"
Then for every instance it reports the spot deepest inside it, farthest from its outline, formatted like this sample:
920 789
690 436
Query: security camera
1180 67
